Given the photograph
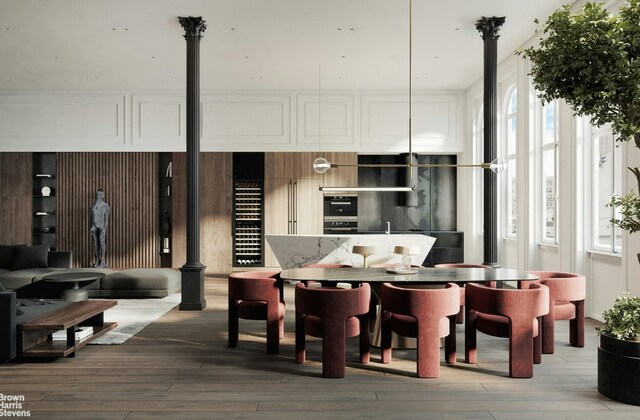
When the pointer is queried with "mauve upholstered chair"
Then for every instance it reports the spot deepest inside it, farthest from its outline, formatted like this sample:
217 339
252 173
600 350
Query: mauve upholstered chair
460 317
567 292
257 295
511 313
332 314
426 314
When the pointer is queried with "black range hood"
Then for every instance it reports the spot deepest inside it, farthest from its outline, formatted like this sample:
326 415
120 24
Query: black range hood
408 177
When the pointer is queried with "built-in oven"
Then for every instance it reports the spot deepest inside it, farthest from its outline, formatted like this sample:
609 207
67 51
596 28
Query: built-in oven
341 213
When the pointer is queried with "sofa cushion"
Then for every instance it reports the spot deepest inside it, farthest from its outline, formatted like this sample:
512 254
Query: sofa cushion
142 279
6 257
30 257
14 279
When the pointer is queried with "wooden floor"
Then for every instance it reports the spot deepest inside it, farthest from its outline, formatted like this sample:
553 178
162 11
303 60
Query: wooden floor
179 367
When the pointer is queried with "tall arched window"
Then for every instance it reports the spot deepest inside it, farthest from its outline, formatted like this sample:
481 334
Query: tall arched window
511 129
549 171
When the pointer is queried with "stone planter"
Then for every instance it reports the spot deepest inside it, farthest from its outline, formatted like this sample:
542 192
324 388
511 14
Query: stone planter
619 369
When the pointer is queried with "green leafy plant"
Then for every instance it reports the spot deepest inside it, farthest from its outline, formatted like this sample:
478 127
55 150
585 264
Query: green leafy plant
591 59
622 321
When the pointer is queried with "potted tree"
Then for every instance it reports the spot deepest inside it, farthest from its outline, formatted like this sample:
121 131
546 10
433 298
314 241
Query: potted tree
591 59
619 351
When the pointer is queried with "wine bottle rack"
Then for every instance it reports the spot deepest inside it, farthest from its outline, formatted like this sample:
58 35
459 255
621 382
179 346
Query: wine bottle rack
248 238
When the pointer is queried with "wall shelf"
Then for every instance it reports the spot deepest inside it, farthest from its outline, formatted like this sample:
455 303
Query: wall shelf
44 221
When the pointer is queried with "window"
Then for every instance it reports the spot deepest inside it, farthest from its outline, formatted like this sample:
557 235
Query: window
549 171
511 125
607 180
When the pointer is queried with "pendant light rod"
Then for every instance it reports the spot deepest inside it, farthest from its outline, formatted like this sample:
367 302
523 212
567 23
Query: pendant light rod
410 82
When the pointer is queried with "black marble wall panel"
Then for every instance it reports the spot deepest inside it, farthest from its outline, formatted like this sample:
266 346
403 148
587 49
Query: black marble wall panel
436 204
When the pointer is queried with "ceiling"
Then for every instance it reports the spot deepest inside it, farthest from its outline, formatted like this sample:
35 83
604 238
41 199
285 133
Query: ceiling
254 44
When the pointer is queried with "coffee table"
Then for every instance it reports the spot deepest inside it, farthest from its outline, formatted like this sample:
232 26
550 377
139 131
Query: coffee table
75 294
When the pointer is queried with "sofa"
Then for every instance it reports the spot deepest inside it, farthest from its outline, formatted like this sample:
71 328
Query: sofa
22 269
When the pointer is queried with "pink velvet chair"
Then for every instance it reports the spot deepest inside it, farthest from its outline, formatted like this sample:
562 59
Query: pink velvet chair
460 317
332 314
511 313
428 315
257 295
567 292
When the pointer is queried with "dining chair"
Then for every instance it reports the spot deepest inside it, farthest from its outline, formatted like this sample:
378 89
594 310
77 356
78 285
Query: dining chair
257 295
460 316
332 314
567 292
510 313
426 314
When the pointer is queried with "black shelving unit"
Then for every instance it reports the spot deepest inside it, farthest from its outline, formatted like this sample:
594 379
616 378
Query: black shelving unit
165 193
44 225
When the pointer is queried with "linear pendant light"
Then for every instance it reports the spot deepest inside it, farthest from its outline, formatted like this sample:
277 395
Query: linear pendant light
322 165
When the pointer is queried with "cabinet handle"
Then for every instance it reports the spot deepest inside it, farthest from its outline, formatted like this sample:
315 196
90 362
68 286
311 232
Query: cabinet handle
295 207
289 209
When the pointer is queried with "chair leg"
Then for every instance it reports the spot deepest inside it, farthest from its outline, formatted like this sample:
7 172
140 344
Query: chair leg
450 341
373 311
333 350
273 336
385 339
460 315
428 354
576 326
233 323
365 352
537 344
300 339
470 346
548 334
521 349
281 328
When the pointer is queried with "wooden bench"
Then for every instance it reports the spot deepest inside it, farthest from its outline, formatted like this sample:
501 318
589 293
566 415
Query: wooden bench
35 335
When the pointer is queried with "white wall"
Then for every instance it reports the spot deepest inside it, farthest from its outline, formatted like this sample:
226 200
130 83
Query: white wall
365 122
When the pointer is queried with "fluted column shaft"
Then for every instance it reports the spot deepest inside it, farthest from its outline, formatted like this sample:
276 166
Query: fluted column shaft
489 28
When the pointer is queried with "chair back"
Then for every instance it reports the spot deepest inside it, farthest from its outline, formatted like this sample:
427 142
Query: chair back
255 285
421 303
562 286
332 303
512 303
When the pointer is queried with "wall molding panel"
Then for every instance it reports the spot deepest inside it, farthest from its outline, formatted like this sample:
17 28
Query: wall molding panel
158 122
229 121
270 121
49 122
435 122
333 114
129 181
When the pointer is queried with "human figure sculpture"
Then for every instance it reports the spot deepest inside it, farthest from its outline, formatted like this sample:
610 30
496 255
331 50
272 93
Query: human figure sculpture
99 221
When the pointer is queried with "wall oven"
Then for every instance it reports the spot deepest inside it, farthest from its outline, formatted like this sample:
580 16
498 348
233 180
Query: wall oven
340 214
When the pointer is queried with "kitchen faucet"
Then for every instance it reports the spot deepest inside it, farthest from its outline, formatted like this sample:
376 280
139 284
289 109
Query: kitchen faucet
388 231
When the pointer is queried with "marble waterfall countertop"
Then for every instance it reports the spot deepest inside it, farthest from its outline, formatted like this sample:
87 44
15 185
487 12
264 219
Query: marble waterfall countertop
297 250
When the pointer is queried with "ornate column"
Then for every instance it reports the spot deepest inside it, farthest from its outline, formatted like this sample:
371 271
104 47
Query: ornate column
193 270
488 28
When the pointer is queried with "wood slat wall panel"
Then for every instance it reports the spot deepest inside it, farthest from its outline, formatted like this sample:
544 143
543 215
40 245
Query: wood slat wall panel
130 184
15 198
215 211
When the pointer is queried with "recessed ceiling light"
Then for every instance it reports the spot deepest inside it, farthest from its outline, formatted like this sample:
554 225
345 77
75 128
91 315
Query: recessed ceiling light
55 57
233 29
153 56
352 29
344 56
339 29
246 56
457 29
7 29
435 56
126 29
113 29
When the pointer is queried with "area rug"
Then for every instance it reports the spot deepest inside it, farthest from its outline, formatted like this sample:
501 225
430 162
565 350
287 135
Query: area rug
133 315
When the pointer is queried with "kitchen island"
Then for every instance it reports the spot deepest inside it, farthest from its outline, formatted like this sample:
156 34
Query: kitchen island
293 251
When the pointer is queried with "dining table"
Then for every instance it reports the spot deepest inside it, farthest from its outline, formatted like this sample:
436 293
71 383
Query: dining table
419 276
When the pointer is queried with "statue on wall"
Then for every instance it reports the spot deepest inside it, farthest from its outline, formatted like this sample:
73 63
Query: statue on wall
99 221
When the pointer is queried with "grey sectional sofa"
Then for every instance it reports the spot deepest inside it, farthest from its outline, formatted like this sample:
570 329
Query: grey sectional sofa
23 267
